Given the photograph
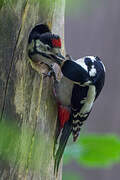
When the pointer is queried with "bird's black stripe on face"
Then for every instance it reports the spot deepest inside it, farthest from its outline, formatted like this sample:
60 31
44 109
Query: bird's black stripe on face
37 52
88 62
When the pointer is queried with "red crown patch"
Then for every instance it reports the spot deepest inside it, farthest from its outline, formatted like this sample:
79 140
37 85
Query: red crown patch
56 43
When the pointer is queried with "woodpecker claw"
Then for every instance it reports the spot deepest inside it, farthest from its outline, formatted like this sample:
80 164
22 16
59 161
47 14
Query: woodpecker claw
50 73
68 57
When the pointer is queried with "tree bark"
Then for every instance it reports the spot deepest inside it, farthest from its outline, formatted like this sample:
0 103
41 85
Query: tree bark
26 97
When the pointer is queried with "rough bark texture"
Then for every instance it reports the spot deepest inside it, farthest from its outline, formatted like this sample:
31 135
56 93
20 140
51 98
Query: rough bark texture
26 98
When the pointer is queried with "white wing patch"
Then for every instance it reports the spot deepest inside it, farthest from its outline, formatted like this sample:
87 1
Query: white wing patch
88 102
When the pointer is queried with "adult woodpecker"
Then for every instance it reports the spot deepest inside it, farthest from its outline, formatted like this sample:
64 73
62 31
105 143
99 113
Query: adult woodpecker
79 87
44 46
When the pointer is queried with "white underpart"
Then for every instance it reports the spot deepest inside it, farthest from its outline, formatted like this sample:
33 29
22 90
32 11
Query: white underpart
81 62
83 101
39 45
64 91
86 83
88 102
93 71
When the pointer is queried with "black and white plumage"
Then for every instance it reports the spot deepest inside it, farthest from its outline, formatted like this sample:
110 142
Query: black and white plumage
44 46
79 87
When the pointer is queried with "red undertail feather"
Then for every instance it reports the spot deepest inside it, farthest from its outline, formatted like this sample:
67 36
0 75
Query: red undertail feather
63 115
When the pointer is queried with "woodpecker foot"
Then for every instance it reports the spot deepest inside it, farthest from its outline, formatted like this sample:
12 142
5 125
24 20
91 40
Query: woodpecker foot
68 57
50 73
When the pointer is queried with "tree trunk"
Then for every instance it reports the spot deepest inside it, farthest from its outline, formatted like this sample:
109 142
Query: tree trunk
27 104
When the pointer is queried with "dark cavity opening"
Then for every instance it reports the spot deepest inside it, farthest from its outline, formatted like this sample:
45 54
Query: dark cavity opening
38 30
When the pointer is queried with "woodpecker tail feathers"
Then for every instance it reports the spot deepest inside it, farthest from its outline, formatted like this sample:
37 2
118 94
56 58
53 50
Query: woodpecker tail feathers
62 143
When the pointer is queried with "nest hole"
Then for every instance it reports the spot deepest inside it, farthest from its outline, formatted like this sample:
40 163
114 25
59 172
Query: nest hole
40 29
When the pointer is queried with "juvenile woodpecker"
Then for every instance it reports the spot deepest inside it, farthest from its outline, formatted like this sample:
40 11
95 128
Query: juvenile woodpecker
79 87
44 47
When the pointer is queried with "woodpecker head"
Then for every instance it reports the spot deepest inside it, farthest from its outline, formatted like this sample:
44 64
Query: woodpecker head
85 71
45 48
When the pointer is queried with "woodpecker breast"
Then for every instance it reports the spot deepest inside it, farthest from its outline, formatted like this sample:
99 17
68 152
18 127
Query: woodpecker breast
64 91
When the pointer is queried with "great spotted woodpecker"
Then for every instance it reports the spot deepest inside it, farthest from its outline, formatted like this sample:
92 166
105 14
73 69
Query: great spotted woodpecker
76 92
44 46
79 87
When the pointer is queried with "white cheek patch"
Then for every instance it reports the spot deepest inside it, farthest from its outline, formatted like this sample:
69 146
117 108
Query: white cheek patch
93 71
81 62
92 58
39 46
37 42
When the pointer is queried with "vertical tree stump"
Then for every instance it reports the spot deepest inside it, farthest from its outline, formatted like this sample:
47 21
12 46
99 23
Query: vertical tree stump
26 98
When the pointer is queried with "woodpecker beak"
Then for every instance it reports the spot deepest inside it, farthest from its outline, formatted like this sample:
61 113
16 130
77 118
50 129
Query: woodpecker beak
60 56
57 56
41 53
75 72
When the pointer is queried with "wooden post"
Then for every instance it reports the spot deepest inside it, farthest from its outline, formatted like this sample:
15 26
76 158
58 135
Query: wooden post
26 97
